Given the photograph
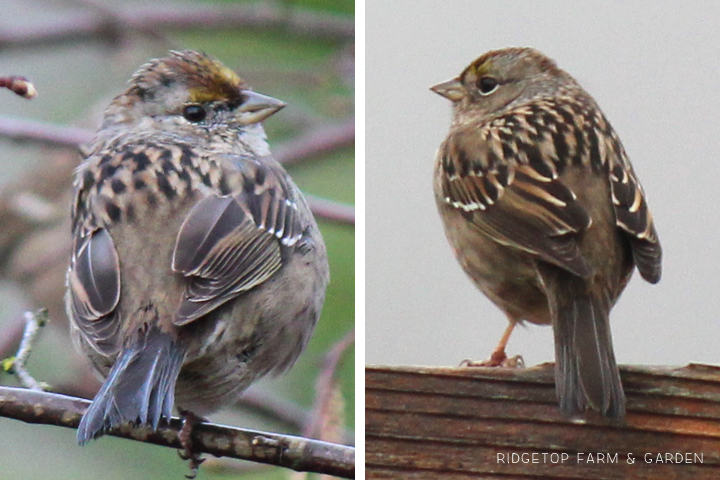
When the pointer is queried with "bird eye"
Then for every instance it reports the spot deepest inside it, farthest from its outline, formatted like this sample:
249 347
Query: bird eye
487 85
194 113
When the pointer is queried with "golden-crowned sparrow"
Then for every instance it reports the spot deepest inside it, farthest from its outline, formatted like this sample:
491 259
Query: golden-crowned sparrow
544 212
197 266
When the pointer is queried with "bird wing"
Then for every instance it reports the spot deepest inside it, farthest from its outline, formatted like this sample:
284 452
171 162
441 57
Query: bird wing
634 218
229 244
94 286
524 205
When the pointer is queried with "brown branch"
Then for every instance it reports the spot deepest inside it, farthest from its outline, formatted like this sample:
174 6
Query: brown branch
47 134
280 409
330 210
316 142
11 332
461 423
319 141
326 382
256 400
270 405
19 86
287 451
112 27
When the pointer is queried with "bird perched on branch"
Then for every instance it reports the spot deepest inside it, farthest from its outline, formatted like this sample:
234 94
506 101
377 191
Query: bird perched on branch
544 212
197 266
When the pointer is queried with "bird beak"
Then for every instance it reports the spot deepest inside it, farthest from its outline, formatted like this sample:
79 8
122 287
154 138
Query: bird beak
452 89
256 107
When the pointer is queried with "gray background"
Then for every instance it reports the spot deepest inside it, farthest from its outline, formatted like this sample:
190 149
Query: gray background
654 68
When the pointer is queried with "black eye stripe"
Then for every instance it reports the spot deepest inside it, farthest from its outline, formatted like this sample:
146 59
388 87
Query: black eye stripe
233 103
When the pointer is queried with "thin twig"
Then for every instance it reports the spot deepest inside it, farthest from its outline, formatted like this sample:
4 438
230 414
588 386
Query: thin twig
274 407
19 86
296 453
10 334
325 381
267 404
128 21
317 142
16 365
331 210
47 134
321 140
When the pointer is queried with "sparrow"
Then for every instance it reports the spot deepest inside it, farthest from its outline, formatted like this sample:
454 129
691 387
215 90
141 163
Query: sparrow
197 267
544 213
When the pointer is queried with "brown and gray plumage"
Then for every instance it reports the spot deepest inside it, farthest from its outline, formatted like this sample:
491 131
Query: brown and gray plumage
197 266
544 212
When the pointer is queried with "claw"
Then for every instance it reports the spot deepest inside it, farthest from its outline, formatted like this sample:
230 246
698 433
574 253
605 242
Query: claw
498 357
496 360
185 436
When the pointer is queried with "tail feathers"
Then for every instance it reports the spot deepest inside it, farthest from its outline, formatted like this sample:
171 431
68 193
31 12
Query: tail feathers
140 388
586 374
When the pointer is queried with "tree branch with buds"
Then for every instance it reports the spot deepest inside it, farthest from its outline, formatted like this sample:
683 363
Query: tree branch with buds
296 453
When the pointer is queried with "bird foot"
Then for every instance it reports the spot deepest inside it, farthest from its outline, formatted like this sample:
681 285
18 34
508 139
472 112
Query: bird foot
497 359
185 435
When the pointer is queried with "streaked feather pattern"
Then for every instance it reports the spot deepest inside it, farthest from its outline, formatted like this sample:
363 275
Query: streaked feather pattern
524 199
544 212
197 266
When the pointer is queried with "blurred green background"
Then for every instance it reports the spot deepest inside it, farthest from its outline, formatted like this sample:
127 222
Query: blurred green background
311 71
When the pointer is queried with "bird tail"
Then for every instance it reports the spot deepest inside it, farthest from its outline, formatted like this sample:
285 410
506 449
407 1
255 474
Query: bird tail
139 389
586 374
